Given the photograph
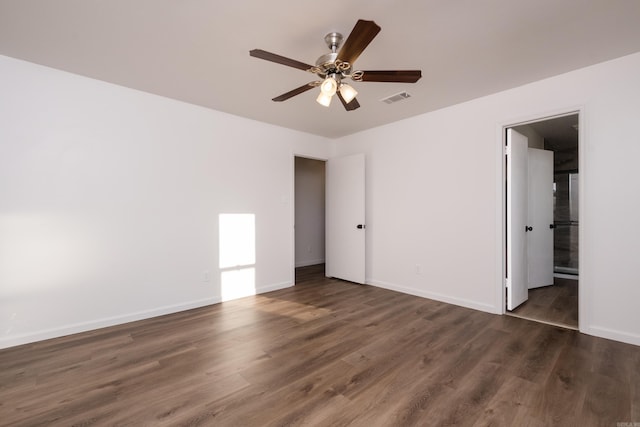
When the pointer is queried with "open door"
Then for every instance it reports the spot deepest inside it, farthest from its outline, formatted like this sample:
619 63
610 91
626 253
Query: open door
540 238
345 211
517 212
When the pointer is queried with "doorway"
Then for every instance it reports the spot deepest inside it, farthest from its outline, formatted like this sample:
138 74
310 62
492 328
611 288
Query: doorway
557 302
309 214
329 216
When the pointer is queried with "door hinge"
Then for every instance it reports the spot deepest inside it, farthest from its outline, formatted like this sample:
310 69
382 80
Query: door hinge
507 283
507 150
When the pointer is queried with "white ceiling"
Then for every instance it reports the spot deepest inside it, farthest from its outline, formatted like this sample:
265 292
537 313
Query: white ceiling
197 51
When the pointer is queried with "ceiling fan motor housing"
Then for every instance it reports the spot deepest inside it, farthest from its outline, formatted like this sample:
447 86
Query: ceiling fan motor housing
327 64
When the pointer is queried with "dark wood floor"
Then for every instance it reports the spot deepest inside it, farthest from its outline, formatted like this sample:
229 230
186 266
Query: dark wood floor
557 304
324 353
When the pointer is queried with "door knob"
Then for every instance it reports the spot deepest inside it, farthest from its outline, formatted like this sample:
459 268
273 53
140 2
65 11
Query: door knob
360 226
552 226
527 228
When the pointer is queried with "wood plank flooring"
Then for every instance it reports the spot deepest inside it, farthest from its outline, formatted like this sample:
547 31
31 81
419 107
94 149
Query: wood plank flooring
323 353
557 304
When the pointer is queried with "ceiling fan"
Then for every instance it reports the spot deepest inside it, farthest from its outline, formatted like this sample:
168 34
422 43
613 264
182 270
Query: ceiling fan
336 66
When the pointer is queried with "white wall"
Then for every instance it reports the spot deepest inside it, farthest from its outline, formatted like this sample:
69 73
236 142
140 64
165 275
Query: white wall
109 201
435 188
309 211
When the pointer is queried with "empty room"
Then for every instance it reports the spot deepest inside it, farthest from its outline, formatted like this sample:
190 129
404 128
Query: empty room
283 213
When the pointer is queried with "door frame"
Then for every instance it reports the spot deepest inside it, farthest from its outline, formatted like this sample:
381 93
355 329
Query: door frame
293 206
583 289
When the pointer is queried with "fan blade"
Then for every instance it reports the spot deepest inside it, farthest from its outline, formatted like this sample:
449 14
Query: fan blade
406 76
358 40
268 56
350 106
296 91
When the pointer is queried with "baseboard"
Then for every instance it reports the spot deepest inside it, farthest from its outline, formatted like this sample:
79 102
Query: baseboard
75 328
308 263
271 288
102 323
566 276
612 334
436 296
597 331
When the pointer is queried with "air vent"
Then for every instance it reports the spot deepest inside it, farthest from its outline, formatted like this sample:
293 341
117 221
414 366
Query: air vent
395 98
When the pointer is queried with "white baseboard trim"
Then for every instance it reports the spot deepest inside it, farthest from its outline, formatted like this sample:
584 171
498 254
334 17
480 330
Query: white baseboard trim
436 296
309 262
15 340
612 334
566 276
271 288
90 325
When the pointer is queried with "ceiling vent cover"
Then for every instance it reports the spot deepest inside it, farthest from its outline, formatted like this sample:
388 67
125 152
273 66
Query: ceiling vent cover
395 98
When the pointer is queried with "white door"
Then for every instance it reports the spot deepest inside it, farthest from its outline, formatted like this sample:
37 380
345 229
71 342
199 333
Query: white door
540 238
345 232
517 212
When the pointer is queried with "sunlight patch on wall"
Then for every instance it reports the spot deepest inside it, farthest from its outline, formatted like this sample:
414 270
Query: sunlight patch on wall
237 244
237 283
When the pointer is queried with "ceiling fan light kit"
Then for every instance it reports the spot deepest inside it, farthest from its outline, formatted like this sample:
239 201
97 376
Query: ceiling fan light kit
324 99
348 92
329 86
335 66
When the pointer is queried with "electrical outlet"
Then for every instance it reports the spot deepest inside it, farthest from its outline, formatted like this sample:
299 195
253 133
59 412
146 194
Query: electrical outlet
206 276
418 268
